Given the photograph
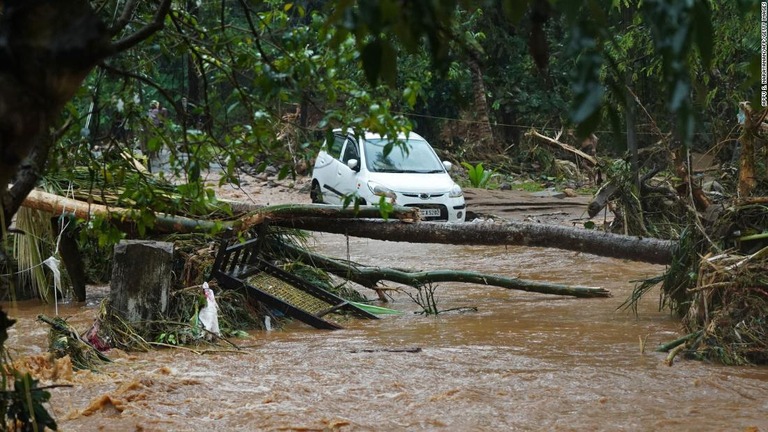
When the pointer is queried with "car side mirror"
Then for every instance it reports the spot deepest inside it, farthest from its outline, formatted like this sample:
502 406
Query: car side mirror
447 165
354 165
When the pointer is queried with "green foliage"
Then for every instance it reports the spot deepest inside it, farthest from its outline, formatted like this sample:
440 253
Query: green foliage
675 27
681 47
588 90
249 85
372 21
25 405
478 175
385 207
530 186
247 92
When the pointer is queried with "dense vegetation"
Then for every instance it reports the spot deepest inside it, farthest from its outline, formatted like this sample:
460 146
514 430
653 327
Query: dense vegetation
258 84
252 84
246 84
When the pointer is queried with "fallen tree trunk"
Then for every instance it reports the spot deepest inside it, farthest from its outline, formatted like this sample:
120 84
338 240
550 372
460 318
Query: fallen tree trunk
57 205
335 219
369 277
603 195
649 250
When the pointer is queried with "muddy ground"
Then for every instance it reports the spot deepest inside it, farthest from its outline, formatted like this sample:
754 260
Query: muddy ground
549 206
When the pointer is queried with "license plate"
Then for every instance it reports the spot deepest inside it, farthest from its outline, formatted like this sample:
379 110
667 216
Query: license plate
430 212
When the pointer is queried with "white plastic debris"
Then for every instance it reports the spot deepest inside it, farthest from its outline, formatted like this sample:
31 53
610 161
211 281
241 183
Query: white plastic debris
209 315
53 264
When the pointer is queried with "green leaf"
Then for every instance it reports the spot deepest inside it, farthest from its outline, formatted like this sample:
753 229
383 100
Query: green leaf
478 176
284 171
385 208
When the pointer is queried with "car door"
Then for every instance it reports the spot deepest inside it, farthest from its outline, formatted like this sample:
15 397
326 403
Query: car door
326 167
345 181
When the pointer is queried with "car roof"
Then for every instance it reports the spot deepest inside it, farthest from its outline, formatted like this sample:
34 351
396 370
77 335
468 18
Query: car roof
371 135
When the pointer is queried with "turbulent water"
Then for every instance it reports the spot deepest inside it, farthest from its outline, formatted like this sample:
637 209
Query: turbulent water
522 361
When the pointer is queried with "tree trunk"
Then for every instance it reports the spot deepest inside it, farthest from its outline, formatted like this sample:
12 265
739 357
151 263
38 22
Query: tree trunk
40 69
747 177
57 205
483 118
71 257
601 199
498 233
141 280
334 219
369 277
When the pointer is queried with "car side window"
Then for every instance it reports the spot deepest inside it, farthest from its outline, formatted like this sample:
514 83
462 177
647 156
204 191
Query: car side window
350 151
336 146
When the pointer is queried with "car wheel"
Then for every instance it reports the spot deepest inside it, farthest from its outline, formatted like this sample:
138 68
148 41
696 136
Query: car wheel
315 193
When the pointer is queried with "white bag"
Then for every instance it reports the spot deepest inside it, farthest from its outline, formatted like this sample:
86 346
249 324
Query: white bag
209 315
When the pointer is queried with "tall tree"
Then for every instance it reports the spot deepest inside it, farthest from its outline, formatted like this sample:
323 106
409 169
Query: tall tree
47 48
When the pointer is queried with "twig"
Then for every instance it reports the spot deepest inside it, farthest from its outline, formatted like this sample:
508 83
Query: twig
181 347
757 254
753 200
696 216
564 146
710 286
643 341
396 350
198 352
655 126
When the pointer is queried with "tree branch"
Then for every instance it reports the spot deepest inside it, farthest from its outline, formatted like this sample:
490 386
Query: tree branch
564 146
145 32
505 233
166 94
125 17
371 276
27 177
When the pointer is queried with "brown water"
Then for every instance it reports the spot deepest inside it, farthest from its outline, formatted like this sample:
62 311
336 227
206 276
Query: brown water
521 362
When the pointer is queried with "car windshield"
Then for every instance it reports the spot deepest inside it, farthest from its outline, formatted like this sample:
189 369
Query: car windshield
418 158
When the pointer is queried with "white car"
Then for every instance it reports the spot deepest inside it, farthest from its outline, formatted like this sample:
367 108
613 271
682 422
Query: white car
409 175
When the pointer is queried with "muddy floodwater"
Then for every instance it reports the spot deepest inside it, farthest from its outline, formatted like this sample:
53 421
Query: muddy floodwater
522 361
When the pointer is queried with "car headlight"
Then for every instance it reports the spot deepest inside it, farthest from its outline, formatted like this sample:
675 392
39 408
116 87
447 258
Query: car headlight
455 191
380 190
